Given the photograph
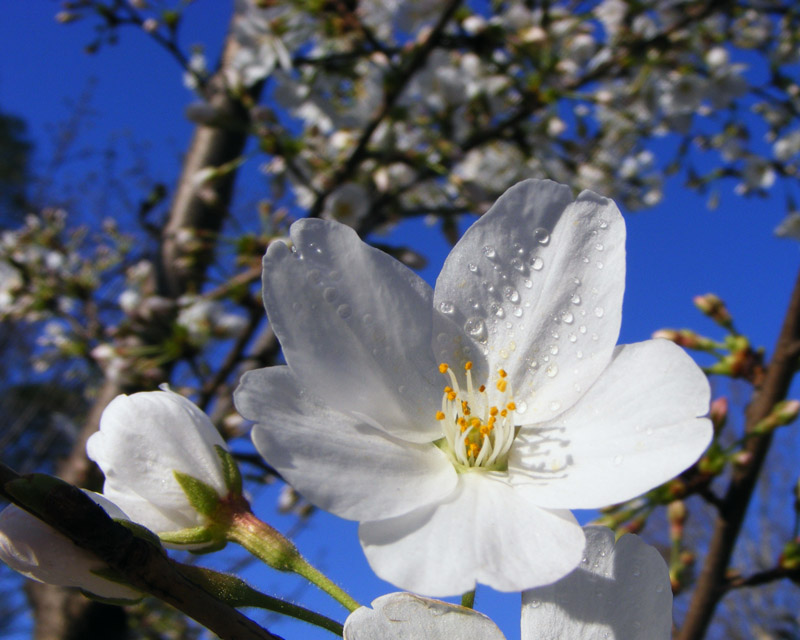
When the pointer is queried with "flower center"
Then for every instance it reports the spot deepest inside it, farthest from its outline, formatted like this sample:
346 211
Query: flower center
478 433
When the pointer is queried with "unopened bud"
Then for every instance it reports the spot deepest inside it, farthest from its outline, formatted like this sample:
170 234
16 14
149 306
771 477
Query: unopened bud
712 306
742 458
150 25
65 17
782 414
718 413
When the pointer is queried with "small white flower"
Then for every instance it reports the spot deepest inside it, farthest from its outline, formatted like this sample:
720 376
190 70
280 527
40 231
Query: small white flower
36 550
459 425
143 440
619 592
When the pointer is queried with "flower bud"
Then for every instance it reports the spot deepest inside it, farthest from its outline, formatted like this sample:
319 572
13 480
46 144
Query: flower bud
712 306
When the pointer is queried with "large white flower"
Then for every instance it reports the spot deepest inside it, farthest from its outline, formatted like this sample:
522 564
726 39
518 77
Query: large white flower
458 426
36 550
618 592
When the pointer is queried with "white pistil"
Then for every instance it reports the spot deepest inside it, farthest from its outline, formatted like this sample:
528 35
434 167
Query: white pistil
479 434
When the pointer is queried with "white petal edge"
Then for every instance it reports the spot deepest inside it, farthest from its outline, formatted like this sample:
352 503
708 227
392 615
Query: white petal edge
337 461
550 303
486 532
618 592
403 616
355 327
636 428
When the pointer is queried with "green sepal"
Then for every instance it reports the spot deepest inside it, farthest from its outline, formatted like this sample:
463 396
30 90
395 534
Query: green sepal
230 589
230 470
202 497
194 535
139 531
216 545
112 575
120 602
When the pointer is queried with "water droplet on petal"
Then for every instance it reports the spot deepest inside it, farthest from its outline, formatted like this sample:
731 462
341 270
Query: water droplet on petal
314 277
522 407
554 349
511 294
603 224
573 338
476 328
489 252
552 371
447 307
517 263
542 235
599 312
585 259
567 317
534 604
599 246
344 311
579 355
496 309
582 329
599 265
517 312
330 294
576 281
335 275
576 299
537 263
528 284
472 267
555 405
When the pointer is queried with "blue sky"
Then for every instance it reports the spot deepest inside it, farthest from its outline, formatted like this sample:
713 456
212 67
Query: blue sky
675 251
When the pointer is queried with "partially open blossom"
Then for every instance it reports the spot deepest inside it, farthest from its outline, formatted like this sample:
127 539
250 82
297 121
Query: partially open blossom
146 440
36 550
618 592
459 425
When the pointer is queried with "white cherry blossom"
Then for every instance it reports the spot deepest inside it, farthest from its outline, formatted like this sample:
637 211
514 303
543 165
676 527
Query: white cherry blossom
37 551
459 425
618 592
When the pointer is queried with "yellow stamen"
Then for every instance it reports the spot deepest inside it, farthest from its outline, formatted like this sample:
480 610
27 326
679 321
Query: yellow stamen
440 415
511 406
468 366
443 368
501 385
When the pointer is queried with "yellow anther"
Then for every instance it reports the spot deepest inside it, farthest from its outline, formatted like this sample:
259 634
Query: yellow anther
443 368
493 411
502 383
440 415
448 389
451 395
511 406
468 365
502 373
491 421
463 424
482 388
486 429
474 422
465 407
474 450
504 413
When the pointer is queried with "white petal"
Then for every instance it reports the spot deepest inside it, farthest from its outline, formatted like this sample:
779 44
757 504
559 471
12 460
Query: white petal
337 461
355 327
547 276
36 550
404 616
636 428
143 439
618 592
486 532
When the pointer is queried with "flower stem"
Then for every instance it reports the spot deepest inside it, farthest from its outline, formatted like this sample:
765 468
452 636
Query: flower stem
468 599
271 547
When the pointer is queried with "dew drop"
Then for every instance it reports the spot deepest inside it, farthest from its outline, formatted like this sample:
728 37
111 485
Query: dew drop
476 328
552 370
585 259
496 309
528 284
369 319
576 299
599 246
518 248
554 349
576 282
489 252
522 407
617 460
599 312
599 265
509 325
344 311
517 264
579 355
573 338
567 317
511 294
537 263
555 405
542 235
555 335
441 338
582 329
637 570
472 267
314 277
603 224
534 604
447 307
595 337
335 275
504 354
330 294
517 312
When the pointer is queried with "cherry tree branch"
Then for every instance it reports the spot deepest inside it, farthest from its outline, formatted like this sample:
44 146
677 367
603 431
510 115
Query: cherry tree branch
711 583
